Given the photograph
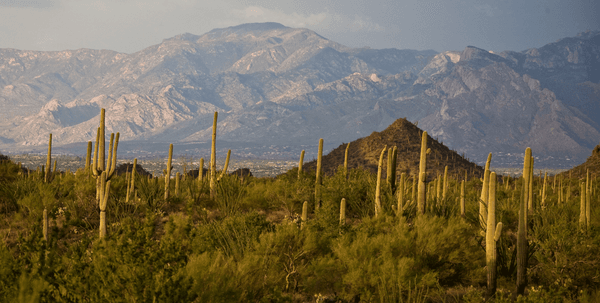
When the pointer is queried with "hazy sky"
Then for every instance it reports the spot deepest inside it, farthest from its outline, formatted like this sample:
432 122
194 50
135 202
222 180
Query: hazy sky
131 25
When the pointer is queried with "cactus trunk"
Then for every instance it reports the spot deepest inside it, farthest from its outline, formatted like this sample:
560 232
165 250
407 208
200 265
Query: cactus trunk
301 161
304 214
400 194
484 193
343 212
168 173
378 186
346 161
213 159
422 175
48 176
492 236
318 180
522 228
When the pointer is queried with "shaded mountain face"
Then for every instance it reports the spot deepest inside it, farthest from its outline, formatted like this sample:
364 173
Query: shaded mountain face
277 86
406 137
591 166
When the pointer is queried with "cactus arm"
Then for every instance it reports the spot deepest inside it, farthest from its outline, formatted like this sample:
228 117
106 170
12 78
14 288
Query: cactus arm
498 231
224 171
114 157
110 147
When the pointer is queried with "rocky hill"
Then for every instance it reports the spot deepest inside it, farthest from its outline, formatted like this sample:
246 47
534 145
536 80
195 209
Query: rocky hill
276 87
592 164
365 152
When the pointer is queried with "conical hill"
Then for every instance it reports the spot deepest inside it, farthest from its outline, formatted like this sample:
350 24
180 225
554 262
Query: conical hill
365 153
592 164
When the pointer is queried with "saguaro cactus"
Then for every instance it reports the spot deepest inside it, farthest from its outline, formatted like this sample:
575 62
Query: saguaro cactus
445 185
522 228
102 171
462 198
177 177
213 159
492 236
345 161
484 193
530 191
302 161
378 186
304 214
400 193
318 180
168 173
45 225
201 172
343 212
131 184
88 157
582 206
48 176
224 171
544 191
422 174
588 196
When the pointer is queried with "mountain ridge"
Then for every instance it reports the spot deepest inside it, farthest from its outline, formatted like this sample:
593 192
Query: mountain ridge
278 85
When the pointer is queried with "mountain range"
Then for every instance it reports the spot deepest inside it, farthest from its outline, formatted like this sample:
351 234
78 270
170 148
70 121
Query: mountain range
279 89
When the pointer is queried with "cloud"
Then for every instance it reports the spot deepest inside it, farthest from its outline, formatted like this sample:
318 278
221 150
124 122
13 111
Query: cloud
27 3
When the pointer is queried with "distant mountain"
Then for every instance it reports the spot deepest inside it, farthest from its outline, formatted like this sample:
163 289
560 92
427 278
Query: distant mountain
277 86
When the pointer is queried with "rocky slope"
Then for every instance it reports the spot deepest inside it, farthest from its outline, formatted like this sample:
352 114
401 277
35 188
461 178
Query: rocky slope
279 86
365 153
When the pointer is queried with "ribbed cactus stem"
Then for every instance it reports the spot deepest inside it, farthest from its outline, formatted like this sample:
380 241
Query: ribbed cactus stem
224 171
103 202
177 177
400 193
582 206
213 159
462 198
346 161
102 142
318 180
522 228
88 157
530 191
544 191
343 211
300 163
438 185
388 177
413 195
201 172
492 235
304 214
48 176
484 192
445 185
168 173
378 186
45 225
588 196
133 173
422 175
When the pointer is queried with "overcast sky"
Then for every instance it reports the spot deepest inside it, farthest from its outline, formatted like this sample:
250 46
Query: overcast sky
131 25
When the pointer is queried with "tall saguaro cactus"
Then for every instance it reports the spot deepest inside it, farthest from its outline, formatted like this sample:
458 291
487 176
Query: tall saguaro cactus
318 180
484 192
300 162
400 193
522 245
582 206
131 185
343 212
422 174
48 176
346 161
104 171
378 188
492 236
168 173
88 157
445 189
213 159
224 171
